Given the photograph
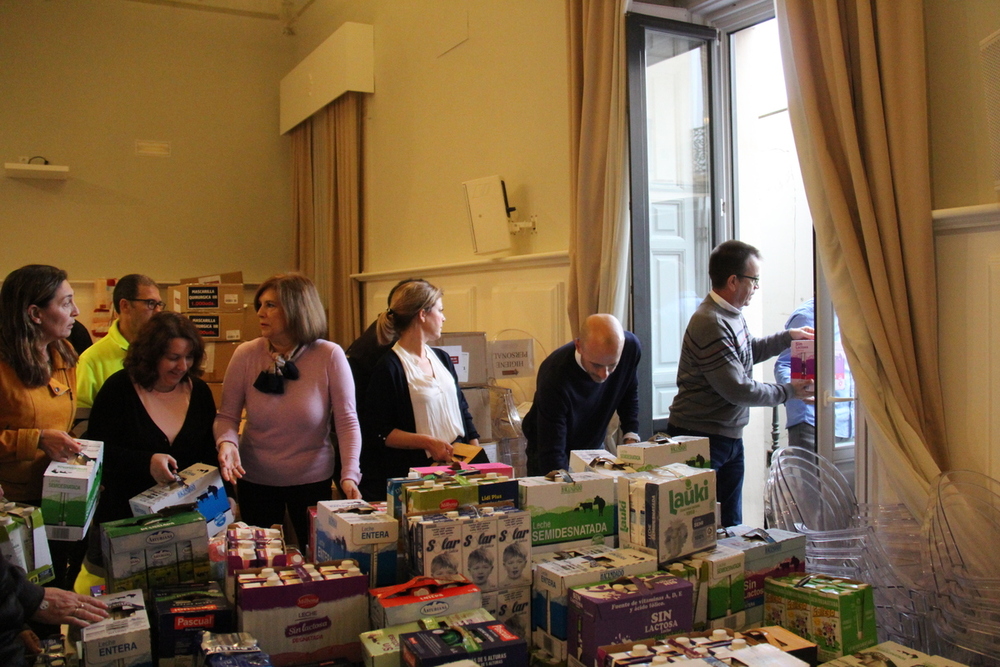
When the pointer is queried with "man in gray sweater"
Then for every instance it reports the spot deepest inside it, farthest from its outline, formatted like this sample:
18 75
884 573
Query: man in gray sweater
715 385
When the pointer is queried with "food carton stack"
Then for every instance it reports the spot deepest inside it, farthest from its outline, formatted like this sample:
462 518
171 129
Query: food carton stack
569 510
23 541
122 639
155 550
70 490
353 529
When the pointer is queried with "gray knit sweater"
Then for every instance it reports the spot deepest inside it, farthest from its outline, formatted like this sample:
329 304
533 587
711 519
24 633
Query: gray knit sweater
715 385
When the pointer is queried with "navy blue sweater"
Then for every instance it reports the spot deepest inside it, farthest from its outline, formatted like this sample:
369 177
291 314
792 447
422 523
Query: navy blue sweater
571 411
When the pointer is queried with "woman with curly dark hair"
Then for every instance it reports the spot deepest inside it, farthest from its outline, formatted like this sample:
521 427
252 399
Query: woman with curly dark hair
155 416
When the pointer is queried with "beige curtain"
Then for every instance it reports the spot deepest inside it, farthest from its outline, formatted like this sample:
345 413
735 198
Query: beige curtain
855 73
328 189
599 225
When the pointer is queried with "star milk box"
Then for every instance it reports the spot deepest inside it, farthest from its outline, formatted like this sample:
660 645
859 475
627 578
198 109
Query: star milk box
200 485
353 529
568 509
69 492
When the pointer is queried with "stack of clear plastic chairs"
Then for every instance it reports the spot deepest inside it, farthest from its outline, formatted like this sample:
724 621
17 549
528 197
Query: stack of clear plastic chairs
962 530
806 493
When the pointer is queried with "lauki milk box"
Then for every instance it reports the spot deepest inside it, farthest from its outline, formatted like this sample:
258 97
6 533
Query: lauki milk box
381 648
199 485
307 613
422 597
353 529
837 614
688 449
181 613
69 492
591 565
155 550
767 553
647 605
577 508
23 541
670 511
488 644
122 639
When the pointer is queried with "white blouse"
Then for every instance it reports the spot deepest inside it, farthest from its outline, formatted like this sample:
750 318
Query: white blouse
434 397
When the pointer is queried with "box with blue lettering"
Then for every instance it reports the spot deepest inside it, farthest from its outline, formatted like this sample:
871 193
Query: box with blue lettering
353 529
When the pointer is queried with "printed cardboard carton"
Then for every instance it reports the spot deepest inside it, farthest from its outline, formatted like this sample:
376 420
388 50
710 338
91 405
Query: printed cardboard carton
122 639
181 613
767 553
353 529
199 485
803 361
513 607
155 550
23 541
422 597
571 508
687 449
381 647
487 643
69 492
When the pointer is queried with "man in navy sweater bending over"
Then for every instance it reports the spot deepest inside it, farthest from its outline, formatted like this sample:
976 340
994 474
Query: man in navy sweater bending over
580 386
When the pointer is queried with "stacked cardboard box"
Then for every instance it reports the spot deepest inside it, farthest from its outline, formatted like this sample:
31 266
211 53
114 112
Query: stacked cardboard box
69 492
23 541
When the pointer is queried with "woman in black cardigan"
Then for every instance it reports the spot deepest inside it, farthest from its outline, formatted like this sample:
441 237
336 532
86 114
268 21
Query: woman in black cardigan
415 409
155 417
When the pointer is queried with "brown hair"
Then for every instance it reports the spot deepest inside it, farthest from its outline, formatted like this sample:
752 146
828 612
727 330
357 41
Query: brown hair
406 301
150 344
305 316
31 285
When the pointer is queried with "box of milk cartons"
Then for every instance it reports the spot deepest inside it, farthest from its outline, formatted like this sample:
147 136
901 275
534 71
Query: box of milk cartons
688 449
353 529
122 639
69 492
566 509
803 361
513 548
669 511
199 485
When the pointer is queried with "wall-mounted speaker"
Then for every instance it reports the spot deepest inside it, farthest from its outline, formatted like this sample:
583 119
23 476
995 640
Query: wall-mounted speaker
488 214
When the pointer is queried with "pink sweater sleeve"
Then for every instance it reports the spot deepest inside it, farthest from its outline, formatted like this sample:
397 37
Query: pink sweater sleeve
234 388
345 416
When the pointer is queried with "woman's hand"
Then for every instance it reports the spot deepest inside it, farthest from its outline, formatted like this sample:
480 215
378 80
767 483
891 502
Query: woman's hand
229 461
439 450
350 489
59 445
67 607
163 468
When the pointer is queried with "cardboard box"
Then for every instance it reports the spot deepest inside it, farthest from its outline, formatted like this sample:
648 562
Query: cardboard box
772 637
235 326
687 449
23 541
216 361
451 496
181 613
353 529
669 512
803 366
488 644
566 511
767 553
467 350
722 575
553 581
122 640
648 605
381 648
513 607
69 492
213 297
216 389
155 550
837 614
201 486
891 653
305 619
421 597
513 547
501 469
580 459
231 277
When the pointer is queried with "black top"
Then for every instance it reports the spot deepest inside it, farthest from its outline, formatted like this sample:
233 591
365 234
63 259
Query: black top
19 600
388 407
119 419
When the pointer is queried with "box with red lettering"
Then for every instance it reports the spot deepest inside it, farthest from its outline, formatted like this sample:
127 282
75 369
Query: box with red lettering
181 613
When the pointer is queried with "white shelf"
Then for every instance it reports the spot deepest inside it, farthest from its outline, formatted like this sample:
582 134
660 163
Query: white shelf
22 170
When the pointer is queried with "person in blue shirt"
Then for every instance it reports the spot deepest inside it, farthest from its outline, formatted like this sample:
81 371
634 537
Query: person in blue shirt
801 416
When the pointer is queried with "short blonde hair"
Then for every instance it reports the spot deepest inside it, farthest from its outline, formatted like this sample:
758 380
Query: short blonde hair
305 316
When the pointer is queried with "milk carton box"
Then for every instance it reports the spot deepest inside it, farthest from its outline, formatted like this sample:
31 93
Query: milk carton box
381 648
513 607
442 497
304 615
422 597
23 541
767 553
513 547
436 544
501 469
69 492
353 529
803 360
722 575
155 550
580 460
648 605
199 485
554 579
687 449
837 614
488 643
480 562
122 639
181 613
570 508
670 511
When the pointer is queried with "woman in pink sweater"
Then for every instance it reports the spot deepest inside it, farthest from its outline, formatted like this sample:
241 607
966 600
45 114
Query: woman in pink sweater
292 383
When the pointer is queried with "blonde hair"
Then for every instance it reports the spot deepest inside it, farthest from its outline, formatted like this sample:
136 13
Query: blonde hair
406 301
304 313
